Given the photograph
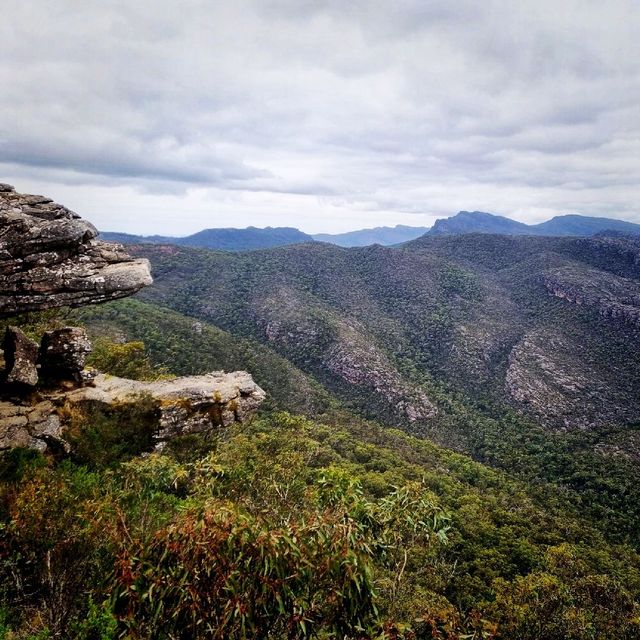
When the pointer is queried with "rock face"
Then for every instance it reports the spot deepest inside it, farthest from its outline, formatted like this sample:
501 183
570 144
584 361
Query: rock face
20 355
547 378
49 258
612 296
181 406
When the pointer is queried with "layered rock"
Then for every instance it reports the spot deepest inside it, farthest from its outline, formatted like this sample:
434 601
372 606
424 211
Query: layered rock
35 426
191 404
49 258
194 404
613 297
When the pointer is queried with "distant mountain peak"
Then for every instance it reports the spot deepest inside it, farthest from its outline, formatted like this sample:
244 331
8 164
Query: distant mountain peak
477 222
570 224
375 235
222 239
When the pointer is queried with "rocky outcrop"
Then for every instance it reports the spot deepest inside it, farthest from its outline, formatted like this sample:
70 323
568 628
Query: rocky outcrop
61 355
49 258
548 379
612 296
186 405
181 406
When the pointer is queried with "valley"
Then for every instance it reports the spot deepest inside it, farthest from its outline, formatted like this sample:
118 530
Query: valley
462 340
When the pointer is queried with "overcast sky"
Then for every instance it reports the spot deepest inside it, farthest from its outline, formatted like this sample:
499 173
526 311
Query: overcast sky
168 116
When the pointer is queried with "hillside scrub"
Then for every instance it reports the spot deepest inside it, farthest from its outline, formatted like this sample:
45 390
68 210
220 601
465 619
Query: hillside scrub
291 528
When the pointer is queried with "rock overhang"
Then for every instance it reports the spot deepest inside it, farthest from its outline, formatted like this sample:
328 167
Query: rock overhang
49 257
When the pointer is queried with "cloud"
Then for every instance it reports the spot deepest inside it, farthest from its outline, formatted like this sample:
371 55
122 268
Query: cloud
322 114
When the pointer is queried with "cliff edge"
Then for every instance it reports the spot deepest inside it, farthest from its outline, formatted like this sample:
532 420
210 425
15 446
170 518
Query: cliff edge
49 258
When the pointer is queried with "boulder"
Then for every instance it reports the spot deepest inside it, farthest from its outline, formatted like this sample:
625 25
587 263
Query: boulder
20 356
63 353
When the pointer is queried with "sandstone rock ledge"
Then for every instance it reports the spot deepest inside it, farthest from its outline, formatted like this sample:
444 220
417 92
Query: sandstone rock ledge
194 404
49 258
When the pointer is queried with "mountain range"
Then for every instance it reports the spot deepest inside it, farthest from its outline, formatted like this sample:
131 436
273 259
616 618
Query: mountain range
229 239
385 236
566 225
520 352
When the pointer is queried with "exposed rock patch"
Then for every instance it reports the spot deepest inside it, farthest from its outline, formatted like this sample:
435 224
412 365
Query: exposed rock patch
344 349
548 379
612 296
358 362
49 258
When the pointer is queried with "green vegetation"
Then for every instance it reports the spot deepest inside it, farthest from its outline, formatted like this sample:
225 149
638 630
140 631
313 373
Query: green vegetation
187 347
292 528
312 522
605 488
123 359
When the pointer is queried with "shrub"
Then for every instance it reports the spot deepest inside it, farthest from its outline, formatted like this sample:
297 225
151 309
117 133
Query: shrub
101 436
125 360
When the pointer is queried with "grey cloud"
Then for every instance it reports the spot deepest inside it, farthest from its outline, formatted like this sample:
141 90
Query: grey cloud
400 106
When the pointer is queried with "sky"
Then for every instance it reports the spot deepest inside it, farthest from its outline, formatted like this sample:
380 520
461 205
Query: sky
169 116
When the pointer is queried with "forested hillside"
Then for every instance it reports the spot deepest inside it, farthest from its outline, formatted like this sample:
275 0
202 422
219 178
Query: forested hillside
444 338
529 324
221 239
